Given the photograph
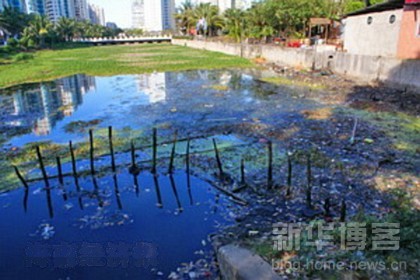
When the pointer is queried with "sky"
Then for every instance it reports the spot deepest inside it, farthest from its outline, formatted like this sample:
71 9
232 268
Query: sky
118 11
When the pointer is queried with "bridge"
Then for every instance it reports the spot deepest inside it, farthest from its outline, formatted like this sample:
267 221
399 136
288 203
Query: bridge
123 40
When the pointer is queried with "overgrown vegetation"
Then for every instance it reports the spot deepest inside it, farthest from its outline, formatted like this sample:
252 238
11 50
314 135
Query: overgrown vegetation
111 60
265 19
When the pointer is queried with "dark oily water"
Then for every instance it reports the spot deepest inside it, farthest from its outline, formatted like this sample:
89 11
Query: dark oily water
108 228
194 101
112 228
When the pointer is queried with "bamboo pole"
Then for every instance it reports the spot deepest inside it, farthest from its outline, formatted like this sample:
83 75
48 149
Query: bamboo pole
159 196
111 148
289 175
243 182
117 191
270 165
92 160
60 178
343 211
74 167
309 182
173 185
20 177
171 161
154 151
219 162
187 161
134 169
41 164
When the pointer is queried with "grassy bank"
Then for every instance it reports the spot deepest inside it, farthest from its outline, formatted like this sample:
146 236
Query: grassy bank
111 60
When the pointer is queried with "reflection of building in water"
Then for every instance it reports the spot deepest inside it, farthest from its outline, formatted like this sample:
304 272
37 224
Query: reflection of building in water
153 85
42 106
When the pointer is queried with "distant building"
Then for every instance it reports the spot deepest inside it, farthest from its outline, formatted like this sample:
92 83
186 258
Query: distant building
389 29
111 25
96 14
55 9
81 11
158 15
36 7
137 13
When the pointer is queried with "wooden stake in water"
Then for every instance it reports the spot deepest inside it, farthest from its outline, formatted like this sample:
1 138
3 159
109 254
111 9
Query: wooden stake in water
171 161
49 203
159 196
74 167
60 178
154 163
270 165
187 161
327 206
243 182
92 160
187 158
20 177
111 148
289 171
219 162
134 169
41 164
309 182
343 211
173 185
60 171
117 191
25 200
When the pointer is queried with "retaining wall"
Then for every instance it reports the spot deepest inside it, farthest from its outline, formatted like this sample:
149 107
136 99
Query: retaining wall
363 67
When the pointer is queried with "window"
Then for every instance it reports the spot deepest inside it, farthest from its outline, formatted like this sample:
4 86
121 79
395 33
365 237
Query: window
392 19
369 20
418 30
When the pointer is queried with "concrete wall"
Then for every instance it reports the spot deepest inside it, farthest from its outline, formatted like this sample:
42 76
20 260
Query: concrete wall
409 42
380 38
363 67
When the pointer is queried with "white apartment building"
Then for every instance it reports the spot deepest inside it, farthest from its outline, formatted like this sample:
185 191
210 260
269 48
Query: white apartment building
157 15
96 14
137 12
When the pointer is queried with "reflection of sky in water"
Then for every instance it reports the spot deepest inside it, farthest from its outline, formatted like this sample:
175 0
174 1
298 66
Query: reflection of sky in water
140 101
128 230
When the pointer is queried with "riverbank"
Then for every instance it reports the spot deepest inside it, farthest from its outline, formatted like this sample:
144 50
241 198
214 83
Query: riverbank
48 65
389 70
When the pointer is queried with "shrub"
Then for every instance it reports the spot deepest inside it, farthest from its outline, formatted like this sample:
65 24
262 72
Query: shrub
12 43
23 57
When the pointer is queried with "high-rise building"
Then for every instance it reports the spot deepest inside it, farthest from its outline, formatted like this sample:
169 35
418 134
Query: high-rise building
36 7
137 12
55 9
81 10
158 15
96 14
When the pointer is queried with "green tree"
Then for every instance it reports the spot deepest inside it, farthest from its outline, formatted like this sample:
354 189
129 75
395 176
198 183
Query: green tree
66 28
12 20
235 24
38 30
211 14
185 17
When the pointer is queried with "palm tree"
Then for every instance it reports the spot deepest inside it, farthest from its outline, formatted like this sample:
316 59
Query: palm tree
211 14
38 30
66 28
185 17
235 24
12 20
